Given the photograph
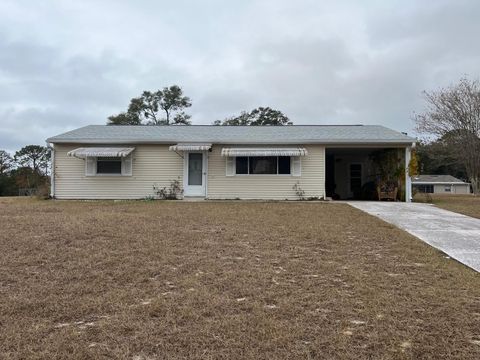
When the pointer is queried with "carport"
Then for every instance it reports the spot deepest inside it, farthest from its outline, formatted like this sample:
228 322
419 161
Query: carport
354 173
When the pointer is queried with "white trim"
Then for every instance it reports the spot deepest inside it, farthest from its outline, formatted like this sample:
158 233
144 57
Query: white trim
125 161
93 163
83 153
329 143
185 173
205 172
94 160
108 175
205 159
52 171
324 172
190 147
257 152
230 166
293 169
266 175
408 178
233 161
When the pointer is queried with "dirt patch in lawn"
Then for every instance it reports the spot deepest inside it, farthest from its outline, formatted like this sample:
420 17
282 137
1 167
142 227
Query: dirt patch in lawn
464 204
230 280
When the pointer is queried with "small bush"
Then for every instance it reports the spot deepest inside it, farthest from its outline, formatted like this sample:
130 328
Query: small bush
173 192
421 197
42 192
299 191
428 198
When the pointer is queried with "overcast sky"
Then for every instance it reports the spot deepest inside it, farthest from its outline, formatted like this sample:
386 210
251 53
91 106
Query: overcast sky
66 64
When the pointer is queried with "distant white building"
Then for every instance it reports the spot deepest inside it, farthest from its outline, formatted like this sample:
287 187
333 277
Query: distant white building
440 184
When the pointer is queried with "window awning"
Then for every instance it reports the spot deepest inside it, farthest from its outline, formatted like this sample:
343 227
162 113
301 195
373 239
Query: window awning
82 153
264 152
190 147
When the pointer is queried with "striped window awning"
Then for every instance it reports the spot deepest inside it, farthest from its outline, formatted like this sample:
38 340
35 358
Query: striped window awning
231 152
85 152
190 147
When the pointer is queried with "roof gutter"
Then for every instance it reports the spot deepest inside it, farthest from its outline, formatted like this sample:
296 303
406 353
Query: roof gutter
331 143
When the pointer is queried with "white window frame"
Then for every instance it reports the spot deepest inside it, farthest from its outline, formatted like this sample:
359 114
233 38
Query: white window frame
94 173
248 167
422 188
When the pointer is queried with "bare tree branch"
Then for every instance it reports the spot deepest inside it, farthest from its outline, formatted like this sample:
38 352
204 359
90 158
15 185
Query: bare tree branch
454 114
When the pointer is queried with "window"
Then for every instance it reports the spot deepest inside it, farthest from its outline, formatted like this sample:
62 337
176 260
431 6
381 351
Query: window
241 165
428 189
262 165
284 165
195 169
448 188
109 165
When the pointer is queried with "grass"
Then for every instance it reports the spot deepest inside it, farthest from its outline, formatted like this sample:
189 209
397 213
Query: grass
230 280
463 204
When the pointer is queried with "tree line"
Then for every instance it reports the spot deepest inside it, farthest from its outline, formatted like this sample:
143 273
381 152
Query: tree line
451 122
26 172
168 106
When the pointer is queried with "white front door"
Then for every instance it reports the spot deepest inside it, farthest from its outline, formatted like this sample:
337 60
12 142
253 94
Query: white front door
195 173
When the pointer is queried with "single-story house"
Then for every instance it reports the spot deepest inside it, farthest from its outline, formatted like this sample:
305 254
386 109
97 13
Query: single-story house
440 184
220 162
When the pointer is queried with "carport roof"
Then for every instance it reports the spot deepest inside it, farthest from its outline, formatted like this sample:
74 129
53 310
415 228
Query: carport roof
296 134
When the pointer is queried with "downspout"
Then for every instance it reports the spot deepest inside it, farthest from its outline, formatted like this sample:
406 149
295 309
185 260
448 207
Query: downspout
52 171
324 171
206 172
408 179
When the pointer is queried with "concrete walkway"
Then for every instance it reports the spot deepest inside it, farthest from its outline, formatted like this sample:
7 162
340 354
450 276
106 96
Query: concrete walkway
455 234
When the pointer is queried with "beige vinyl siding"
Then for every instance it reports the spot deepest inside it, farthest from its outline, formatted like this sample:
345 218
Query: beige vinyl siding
152 164
455 189
278 187
461 189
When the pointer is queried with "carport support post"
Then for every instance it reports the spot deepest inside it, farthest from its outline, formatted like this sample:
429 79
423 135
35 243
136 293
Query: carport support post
408 179
52 170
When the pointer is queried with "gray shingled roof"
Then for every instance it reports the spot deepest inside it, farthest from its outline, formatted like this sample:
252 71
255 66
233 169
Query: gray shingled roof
436 179
299 134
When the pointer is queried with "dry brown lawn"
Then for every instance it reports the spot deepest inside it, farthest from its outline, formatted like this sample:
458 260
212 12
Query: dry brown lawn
226 280
463 204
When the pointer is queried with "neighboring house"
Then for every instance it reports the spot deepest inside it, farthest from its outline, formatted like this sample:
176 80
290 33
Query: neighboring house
440 184
219 162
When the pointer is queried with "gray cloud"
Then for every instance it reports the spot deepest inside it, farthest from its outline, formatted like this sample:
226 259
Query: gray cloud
68 64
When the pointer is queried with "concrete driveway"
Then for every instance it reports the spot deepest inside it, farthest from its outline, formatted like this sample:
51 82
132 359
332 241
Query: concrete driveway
455 234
